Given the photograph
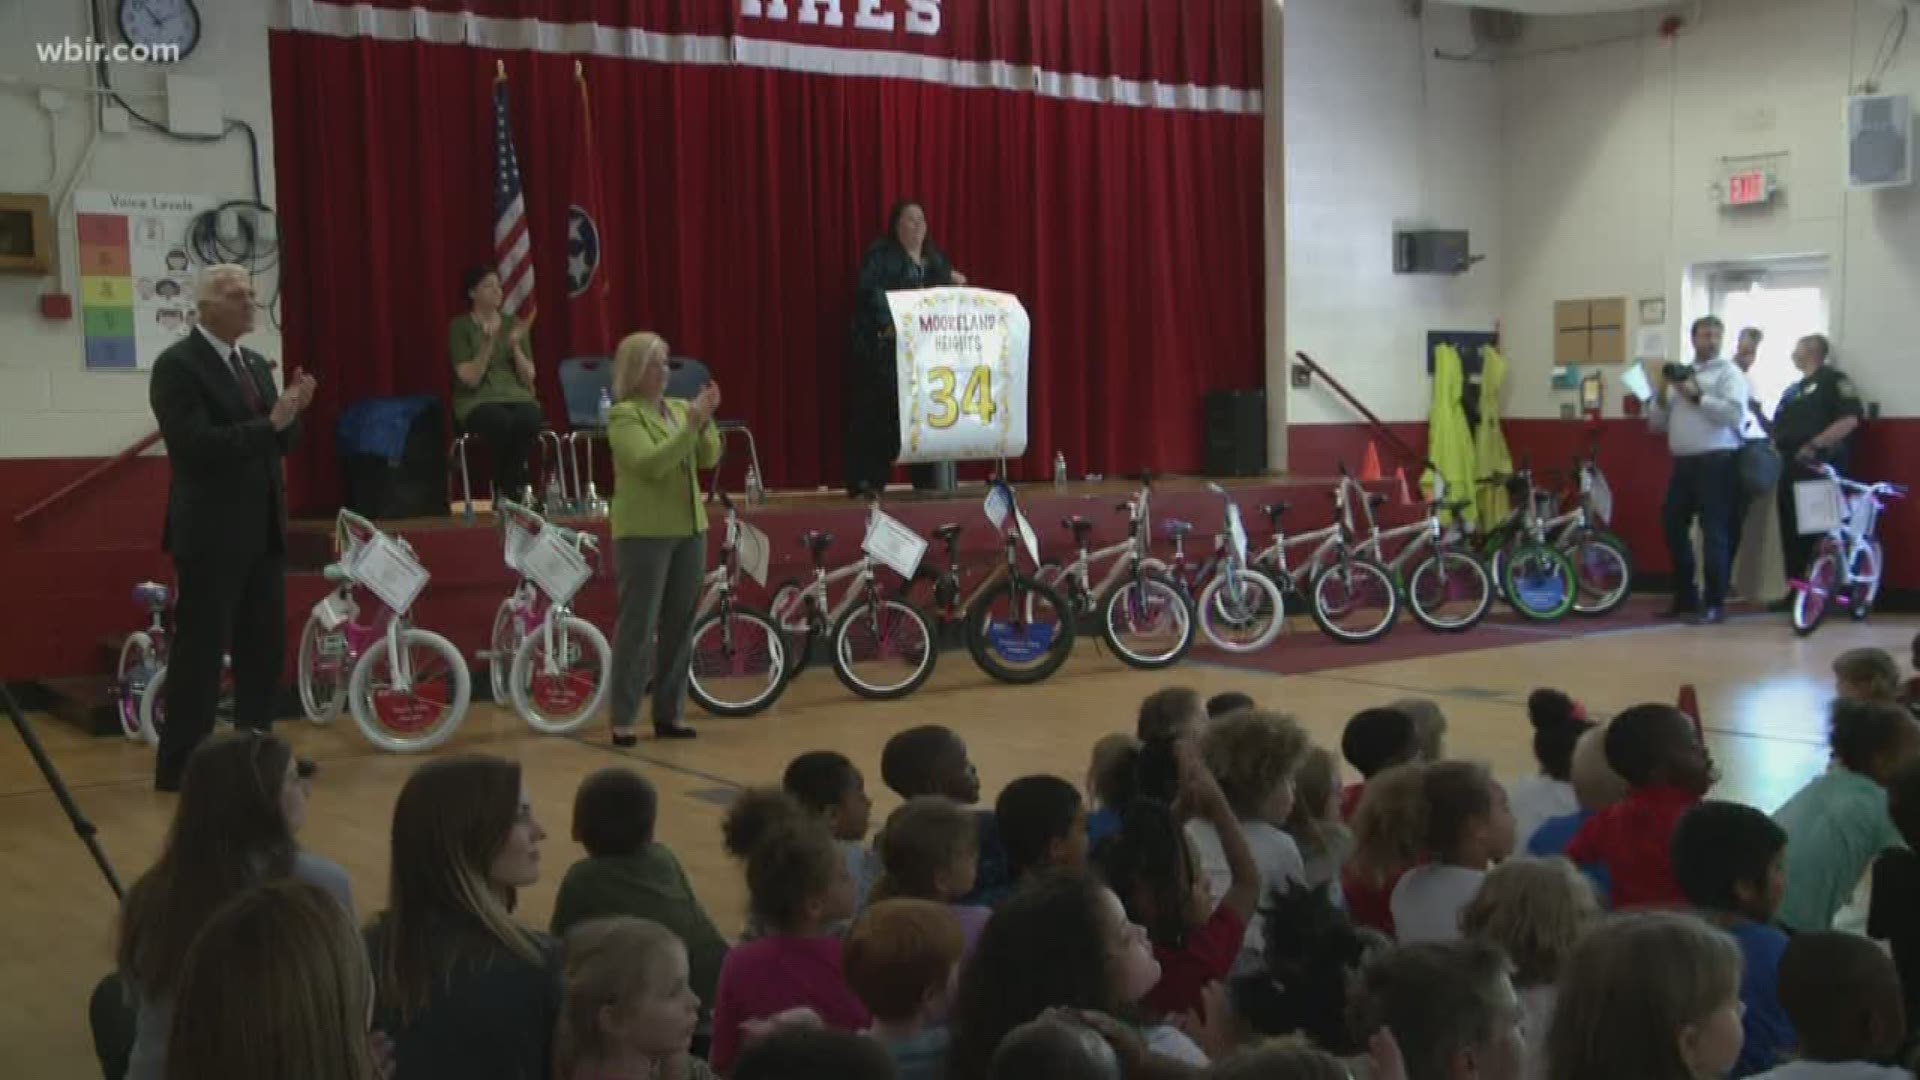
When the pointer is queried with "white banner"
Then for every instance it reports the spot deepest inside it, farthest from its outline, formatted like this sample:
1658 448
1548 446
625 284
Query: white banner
961 356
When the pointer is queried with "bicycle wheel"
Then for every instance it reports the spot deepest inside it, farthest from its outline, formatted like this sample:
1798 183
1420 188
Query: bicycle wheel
421 715
883 648
1602 571
1815 595
1146 622
560 679
1449 592
153 707
131 676
323 671
737 657
1241 611
1019 631
1354 601
1868 563
1539 582
503 644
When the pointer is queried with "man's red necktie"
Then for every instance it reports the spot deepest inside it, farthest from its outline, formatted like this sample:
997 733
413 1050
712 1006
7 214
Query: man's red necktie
248 388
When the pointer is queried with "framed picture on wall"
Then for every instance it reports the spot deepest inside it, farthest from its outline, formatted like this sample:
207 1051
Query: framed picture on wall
1653 312
26 235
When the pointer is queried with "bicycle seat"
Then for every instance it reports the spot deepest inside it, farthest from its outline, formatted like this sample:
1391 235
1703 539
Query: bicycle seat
949 533
816 543
335 573
1178 530
1080 526
151 595
1446 506
1376 499
1276 511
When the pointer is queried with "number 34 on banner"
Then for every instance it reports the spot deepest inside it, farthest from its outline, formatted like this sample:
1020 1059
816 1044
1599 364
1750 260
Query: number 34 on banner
961 362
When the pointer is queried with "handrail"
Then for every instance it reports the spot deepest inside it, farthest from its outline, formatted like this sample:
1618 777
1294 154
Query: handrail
1378 424
87 478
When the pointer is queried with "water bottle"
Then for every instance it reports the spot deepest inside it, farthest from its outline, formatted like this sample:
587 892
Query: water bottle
606 405
556 498
1059 472
756 492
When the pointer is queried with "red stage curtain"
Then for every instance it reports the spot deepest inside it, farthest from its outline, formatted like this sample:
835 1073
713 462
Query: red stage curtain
739 197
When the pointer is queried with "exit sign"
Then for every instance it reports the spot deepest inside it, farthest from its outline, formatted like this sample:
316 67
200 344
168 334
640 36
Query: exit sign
1752 187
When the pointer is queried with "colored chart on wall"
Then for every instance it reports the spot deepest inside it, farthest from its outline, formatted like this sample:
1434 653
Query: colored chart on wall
136 274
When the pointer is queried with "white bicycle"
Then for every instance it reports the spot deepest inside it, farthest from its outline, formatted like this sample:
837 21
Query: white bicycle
1849 563
1146 620
737 655
407 688
556 667
1240 610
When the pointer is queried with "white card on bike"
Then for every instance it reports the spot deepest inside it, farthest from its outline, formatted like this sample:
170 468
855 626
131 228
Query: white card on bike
755 552
330 611
999 503
1237 532
1027 538
893 545
1600 496
518 537
552 562
389 572
1819 506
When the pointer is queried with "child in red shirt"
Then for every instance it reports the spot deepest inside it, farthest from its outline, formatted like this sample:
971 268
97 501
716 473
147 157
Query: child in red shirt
1657 750
1151 868
1374 740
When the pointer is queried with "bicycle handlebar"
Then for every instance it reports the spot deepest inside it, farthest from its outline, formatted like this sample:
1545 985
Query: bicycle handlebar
1878 488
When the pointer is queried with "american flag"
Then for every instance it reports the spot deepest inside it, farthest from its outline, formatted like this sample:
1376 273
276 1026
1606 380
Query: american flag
512 248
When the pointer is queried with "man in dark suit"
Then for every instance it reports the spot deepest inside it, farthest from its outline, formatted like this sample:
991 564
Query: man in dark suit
226 430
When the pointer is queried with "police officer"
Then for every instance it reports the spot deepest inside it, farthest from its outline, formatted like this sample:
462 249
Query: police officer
1814 422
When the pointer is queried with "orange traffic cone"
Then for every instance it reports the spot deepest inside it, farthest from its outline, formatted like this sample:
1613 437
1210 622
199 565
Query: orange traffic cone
1370 466
1400 478
1689 704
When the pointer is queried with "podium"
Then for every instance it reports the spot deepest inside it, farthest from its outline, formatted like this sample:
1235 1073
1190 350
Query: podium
961 365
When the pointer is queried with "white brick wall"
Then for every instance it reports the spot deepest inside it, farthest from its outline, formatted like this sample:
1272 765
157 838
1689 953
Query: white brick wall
50 405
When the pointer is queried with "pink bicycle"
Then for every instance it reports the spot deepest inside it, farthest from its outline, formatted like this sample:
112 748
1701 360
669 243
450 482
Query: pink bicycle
408 688
140 677
554 666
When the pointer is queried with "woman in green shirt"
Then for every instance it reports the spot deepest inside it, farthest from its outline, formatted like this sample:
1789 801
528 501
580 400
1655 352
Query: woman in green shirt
493 379
659 532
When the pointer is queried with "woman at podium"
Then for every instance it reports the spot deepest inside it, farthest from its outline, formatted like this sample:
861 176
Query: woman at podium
903 258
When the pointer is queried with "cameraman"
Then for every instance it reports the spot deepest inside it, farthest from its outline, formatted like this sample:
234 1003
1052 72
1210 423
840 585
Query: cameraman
1700 407
1815 422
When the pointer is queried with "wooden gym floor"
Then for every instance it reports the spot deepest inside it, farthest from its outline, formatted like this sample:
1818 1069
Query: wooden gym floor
1762 691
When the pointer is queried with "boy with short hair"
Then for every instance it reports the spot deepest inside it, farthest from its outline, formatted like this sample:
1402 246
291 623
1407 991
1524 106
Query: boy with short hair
1656 749
1451 1007
1042 821
900 959
1730 861
932 759
1844 997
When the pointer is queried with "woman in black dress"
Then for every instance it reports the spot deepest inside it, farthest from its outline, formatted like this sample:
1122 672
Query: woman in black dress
902 259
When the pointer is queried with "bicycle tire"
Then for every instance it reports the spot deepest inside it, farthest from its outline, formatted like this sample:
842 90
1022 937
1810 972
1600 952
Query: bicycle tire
1446 565
1322 599
368 712
893 613
989 648
723 624
1600 547
503 644
557 705
1265 611
1866 588
1814 597
1540 582
1156 592
132 674
320 699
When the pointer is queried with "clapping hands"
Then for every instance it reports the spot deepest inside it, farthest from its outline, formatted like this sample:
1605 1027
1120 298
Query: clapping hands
292 401
704 404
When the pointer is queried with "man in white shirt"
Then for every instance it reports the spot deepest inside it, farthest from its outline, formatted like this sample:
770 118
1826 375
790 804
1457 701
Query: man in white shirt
1701 416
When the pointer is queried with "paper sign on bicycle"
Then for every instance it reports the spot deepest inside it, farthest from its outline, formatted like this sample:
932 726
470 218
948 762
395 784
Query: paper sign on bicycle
1818 505
388 571
893 545
1237 532
999 504
1600 496
517 540
555 565
755 552
961 360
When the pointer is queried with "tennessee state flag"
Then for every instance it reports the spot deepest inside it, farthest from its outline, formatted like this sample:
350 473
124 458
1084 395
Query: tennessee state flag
588 325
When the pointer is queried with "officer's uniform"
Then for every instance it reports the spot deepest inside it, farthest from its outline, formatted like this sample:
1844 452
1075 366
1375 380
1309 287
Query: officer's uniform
1808 408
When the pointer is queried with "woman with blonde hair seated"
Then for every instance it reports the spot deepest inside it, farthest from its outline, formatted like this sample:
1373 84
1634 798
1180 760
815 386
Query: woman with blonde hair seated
659 532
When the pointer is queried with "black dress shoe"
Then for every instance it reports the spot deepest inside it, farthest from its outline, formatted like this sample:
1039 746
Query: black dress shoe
674 731
1712 616
626 740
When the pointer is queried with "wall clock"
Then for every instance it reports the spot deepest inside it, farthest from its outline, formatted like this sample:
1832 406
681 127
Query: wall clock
167 29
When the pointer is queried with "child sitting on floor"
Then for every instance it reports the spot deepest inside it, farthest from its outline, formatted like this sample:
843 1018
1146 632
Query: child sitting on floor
627 1011
1109 785
1558 722
1838 823
1438 827
1844 997
1648 995
927 852
828 785
1252 755
1315 822
1596 786
1865 675
1536 911
1043 826
932 760
901 958
1656 749
1894 912
1374 741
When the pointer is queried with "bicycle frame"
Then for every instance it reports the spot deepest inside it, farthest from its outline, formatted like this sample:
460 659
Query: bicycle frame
1080 569
1859 523
539 612
1326 541
387 622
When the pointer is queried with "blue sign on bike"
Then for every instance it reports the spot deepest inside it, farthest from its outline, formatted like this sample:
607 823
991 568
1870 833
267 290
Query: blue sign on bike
1021 644
1540 592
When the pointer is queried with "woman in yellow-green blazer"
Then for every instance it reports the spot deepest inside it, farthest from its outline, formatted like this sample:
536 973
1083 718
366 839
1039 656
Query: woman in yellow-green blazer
659 532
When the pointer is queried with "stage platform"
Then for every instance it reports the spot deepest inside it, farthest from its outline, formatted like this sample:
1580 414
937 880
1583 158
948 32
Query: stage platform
470 579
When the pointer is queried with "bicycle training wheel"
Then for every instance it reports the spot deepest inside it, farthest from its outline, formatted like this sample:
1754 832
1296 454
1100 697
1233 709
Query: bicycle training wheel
1019 631
560 678
1354 601
1539 582
131 677
153 707
1815 595
737 661
883 648
1147 623
1449 592
323 671
1242 611
427 709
